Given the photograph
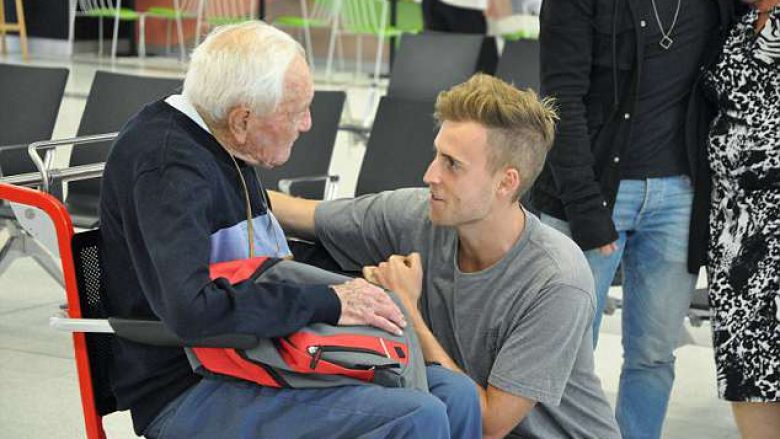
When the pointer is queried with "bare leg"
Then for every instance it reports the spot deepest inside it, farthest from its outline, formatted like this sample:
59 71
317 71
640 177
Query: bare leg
757 420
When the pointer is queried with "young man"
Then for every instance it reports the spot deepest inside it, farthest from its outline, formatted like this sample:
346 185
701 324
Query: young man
179 194
494 292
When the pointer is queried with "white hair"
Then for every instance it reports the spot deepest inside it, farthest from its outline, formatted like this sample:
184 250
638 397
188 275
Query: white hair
241 64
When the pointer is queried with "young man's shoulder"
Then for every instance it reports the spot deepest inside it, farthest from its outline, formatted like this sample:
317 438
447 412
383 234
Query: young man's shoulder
558 257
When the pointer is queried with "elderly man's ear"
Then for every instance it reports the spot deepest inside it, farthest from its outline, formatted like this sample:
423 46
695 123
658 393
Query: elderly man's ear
238 123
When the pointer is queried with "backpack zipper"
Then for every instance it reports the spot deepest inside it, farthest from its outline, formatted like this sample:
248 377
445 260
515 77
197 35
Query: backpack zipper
316 352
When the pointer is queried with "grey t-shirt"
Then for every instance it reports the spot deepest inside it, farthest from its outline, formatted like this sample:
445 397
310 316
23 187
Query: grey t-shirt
522 325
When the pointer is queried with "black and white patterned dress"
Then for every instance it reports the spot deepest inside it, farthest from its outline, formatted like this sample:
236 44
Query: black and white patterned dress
744 250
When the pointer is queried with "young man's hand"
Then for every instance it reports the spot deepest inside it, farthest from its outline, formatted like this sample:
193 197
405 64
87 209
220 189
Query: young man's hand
401 274
366 304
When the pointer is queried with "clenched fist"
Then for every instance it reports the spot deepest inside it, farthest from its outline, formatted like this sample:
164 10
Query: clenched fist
401 274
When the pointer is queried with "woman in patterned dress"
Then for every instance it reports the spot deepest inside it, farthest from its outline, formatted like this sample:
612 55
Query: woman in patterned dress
744 250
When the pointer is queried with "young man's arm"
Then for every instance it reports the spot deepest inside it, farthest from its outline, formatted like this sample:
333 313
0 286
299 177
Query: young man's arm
296 215
501 411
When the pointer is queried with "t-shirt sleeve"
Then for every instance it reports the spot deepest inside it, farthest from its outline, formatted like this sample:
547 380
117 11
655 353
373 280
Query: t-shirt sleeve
537 357
368 229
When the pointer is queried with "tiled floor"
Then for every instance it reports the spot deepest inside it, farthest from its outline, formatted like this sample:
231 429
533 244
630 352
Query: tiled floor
38 391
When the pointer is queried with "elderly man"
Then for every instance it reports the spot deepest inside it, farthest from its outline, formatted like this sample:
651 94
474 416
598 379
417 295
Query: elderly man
178 194
503 297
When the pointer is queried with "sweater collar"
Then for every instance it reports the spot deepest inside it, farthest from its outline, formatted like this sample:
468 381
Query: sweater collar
182 104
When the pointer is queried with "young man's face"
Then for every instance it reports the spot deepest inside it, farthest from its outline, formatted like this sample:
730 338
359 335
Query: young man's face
462 187
270 138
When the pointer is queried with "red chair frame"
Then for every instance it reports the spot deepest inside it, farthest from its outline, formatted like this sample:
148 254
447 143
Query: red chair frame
64 228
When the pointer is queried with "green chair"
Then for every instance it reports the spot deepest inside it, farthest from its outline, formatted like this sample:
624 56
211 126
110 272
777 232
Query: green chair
110 9
523 27
320 17
221 12
371 18
179 11
409 17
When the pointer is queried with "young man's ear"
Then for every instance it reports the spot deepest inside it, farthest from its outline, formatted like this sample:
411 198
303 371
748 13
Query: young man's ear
510 182
238 123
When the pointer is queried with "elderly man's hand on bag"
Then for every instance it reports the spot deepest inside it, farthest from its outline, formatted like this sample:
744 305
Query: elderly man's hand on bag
366 304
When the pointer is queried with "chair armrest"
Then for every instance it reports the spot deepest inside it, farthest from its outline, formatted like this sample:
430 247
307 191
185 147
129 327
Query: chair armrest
362 132
47 145
4 148
81 172
331 184
150 332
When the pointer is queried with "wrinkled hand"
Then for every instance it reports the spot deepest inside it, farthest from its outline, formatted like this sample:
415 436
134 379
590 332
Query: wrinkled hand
366 304
498 9
402 274
767 48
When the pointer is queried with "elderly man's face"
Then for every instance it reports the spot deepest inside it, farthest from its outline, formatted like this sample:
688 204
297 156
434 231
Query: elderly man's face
270 138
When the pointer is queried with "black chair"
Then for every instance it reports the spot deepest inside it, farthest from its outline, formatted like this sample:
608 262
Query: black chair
97 397
30 99
519 64
400 146
112 100
307 167
431 62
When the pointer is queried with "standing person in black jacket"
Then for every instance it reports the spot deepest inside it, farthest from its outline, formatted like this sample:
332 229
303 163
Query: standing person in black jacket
628 165
179 193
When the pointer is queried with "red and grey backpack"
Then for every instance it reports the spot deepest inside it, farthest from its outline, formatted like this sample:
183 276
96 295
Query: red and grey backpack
318 355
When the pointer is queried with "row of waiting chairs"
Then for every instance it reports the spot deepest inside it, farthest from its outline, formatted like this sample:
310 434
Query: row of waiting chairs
430 62
31 97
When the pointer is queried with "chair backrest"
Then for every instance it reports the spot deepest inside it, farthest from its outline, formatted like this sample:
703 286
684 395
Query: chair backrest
97 5
364 16
112 100
400 146
431 62
88 264
30 99
312 151
519 64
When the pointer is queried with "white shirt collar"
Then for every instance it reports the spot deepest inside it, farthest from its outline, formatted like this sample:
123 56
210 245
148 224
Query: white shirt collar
181 103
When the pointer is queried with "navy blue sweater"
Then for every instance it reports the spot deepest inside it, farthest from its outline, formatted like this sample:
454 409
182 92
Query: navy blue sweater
171 204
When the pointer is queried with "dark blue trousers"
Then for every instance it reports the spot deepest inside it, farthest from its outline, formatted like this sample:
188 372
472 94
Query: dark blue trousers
238 410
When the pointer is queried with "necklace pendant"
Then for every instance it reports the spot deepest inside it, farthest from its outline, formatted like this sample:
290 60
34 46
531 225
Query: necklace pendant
666 42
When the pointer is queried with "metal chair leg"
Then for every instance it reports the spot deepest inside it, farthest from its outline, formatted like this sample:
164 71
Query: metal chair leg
8 253
100 37
22 26
142 37
46 261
